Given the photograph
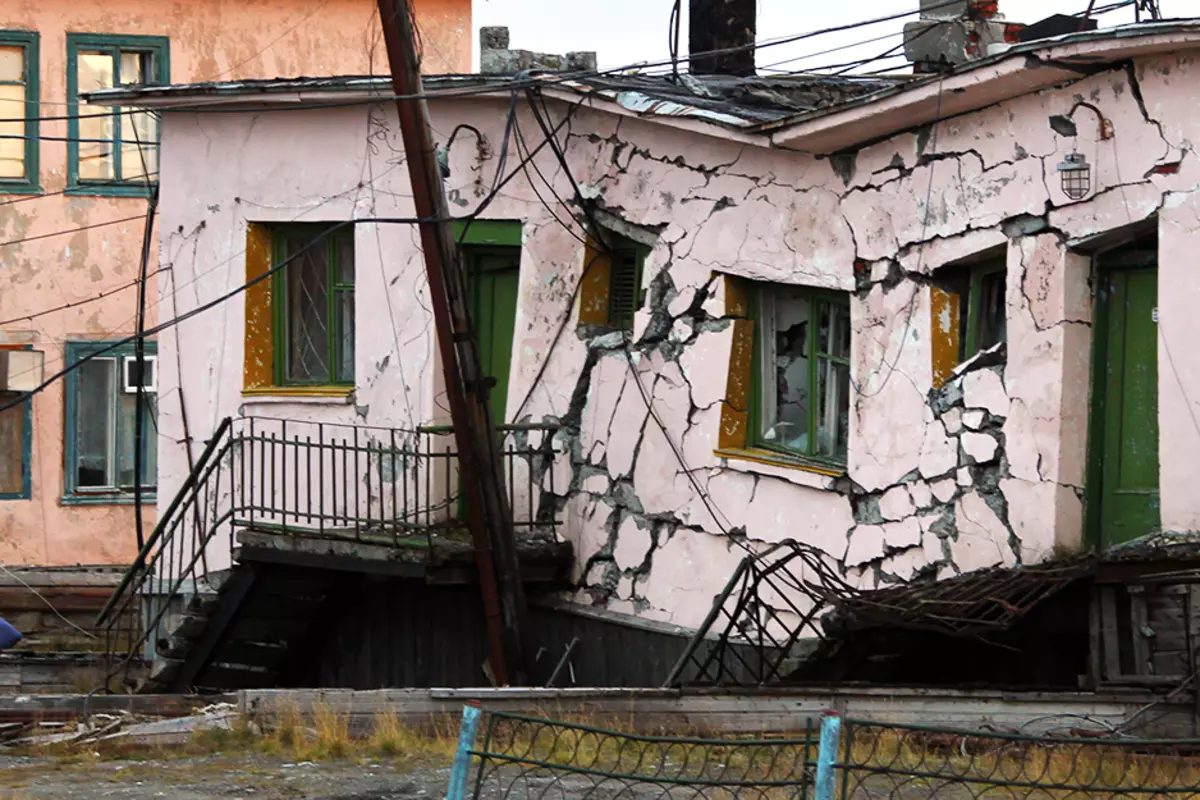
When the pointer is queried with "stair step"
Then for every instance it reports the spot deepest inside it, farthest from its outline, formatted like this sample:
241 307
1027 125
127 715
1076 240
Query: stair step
164 669
188 627
202 604
218 578
226 676
276 607
269 655
259 629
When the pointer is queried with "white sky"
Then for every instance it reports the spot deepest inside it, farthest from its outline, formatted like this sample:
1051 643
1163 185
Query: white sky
628 31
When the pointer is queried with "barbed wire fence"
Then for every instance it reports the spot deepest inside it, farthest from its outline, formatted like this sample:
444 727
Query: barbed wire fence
518 757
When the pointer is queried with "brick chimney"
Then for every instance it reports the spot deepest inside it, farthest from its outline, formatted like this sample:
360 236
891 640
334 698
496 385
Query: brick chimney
722 25
949 34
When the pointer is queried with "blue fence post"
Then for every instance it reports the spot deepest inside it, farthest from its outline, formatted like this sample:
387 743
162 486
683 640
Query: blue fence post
827 752
462 756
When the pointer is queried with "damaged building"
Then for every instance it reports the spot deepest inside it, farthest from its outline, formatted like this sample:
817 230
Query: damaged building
925 325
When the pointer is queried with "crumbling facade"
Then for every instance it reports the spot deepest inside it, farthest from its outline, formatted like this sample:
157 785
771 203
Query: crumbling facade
882 347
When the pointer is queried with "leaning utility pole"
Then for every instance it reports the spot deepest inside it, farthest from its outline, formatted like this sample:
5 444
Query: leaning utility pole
488 514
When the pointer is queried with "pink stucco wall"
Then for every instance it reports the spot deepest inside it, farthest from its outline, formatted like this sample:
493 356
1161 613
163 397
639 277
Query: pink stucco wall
644 543
210 39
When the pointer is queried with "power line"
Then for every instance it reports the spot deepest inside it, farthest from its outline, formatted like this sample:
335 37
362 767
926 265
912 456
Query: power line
66 231
526 81
178 319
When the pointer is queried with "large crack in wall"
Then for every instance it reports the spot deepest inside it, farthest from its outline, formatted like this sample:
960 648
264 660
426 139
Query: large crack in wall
980 472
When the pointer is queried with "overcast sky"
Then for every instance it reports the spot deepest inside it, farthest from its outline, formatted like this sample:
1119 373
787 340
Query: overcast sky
628 31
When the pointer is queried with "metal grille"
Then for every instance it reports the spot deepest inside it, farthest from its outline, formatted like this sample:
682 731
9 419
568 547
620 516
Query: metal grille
528 757
624 288
892 761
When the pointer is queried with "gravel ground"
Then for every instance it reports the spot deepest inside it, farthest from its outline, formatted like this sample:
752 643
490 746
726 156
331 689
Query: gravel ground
193 778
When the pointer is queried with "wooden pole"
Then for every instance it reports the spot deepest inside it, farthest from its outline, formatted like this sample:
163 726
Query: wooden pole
480 474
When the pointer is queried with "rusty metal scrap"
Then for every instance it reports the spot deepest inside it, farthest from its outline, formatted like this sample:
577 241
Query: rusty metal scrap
966 605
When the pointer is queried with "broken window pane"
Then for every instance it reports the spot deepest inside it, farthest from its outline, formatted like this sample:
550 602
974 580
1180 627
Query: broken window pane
95 423
833 382
12 445
784 319
979 288
805 373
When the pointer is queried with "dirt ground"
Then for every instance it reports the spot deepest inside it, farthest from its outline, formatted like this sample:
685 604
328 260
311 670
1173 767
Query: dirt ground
217 776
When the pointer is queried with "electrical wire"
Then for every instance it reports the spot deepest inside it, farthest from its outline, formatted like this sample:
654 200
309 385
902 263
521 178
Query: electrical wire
513 84
49 605
597 233
66 231
275 268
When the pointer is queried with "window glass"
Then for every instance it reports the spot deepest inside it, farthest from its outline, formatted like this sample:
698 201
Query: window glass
12 445
803 371
119 145
12 109
307 308
95 423
785 368
992 316
104 429
314 329
833 382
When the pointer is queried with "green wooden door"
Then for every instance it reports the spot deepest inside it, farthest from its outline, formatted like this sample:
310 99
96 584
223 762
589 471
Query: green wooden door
1126 455
492 285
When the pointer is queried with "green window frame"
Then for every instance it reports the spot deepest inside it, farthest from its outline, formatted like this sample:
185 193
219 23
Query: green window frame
827 355
100 425
19 131
313 337
978 288
117 128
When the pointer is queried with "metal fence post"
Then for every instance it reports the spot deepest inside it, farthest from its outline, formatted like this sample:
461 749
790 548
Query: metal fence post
462 756
827 750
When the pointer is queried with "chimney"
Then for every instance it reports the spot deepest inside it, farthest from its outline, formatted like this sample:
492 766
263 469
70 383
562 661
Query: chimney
723 25
497 58
949 34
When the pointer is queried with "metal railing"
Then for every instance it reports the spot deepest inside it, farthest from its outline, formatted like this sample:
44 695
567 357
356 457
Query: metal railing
880 760
850 759
296 478
538 758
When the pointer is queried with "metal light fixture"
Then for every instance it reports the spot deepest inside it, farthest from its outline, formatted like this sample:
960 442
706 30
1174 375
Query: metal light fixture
1076 176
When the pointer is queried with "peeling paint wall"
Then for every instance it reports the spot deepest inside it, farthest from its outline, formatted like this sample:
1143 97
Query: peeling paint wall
987 469
209 39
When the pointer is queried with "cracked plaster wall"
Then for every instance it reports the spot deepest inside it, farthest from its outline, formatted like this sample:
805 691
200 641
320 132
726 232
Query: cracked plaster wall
987 470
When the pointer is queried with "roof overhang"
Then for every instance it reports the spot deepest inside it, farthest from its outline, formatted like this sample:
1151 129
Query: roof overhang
1014 71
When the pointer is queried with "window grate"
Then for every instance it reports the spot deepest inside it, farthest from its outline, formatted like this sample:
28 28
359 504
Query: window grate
624 293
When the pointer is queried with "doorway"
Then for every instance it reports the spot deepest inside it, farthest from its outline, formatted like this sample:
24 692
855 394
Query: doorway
1123 485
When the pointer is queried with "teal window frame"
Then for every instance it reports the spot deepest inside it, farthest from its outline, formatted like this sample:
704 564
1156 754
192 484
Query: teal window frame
754 436
26 492
159 47
279 310
30 43
72 493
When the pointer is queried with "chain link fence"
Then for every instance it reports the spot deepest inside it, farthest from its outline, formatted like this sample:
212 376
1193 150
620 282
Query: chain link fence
528 758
